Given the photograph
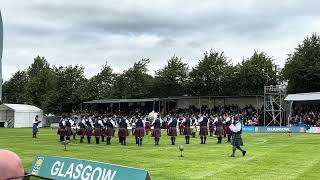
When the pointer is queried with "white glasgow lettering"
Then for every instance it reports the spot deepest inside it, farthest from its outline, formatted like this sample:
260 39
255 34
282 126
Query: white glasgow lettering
79 171
278 129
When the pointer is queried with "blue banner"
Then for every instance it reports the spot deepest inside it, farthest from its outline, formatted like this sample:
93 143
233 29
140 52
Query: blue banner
249 129
273 129
69 168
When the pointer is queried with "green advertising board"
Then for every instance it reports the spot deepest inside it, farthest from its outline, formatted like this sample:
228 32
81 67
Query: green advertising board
68 168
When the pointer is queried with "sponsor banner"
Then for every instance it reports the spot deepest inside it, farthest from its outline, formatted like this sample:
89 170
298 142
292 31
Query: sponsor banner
249 129
68 168
314 130
278 129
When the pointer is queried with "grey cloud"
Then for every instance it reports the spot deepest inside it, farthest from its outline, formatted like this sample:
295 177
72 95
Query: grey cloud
90 32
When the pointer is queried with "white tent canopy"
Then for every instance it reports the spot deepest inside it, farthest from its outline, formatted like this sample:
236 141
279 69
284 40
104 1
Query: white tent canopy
18 115
303 97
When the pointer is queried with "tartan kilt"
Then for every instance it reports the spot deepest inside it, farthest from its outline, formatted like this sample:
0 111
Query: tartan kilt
156 132
89 132
103 131
148 128
220 131
81 132
61 132
203 131
236 140
227 130
109 132
173 131
123 132
97 132
139 132
211 128
187 131
68 131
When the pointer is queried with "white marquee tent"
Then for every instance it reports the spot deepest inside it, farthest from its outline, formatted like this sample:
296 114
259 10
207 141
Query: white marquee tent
19 115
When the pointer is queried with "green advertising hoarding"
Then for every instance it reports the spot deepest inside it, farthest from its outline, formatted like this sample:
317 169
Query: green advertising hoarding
68 168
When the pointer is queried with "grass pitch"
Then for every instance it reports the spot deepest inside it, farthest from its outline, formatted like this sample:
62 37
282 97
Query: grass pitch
269 156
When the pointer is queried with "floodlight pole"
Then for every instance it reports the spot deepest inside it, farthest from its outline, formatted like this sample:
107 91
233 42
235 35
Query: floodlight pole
1 49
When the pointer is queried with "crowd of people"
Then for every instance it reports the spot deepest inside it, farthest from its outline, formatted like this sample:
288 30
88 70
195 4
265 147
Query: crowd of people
305 115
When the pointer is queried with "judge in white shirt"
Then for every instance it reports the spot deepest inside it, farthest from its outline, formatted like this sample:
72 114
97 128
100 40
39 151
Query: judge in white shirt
35 126
237 142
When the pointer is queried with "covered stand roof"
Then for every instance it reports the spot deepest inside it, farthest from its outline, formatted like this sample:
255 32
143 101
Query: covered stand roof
314 96
20 108
107 101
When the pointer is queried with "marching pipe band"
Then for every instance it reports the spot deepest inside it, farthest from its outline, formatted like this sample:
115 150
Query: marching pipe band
104 126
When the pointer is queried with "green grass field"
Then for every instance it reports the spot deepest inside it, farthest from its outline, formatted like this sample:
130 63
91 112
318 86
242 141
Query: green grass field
270 156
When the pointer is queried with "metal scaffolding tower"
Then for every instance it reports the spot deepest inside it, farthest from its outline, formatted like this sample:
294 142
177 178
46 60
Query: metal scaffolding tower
274 110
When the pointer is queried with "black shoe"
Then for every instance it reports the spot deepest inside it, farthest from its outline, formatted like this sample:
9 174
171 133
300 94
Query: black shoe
232 155
244 153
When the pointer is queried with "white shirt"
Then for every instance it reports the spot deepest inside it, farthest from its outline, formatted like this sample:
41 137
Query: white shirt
128 122
71 122
34 121
83 122
100 122
91 122
63 122
112 122
237 127
200 119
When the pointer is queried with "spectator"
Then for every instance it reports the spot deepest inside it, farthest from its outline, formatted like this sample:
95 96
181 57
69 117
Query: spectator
10 165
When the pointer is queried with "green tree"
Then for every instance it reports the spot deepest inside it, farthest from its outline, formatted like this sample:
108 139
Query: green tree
134 82
254 73
67 95
210 75
15 88
101 85
302 68
172 79
41 82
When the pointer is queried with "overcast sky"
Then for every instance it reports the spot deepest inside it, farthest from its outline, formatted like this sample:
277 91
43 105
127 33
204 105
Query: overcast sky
90 33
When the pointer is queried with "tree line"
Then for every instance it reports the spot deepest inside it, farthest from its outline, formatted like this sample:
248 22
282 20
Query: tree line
62 89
